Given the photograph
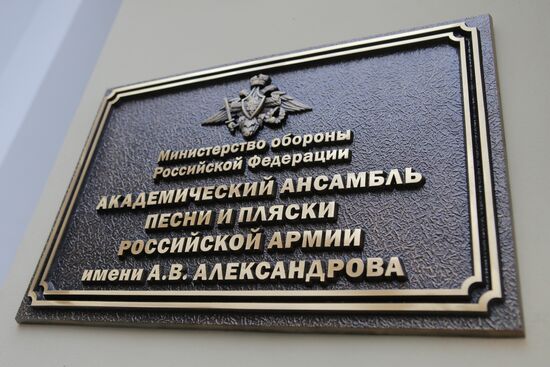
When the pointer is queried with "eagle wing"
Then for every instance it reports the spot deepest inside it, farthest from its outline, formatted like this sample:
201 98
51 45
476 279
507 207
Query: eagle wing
289 103
221 116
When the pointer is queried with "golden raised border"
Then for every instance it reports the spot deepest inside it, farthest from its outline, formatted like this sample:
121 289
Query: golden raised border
424 35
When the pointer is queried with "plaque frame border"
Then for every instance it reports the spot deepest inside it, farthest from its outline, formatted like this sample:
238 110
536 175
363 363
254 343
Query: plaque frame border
431 33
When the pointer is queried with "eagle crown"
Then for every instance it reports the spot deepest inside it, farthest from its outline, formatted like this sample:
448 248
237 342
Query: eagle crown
260 80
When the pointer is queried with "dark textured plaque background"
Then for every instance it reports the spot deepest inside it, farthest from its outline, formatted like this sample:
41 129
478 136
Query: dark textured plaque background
405 109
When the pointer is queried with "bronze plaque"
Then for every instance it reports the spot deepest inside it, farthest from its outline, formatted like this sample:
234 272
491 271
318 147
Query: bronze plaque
354 187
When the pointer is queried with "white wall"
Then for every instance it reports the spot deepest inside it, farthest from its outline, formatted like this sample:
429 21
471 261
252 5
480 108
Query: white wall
48 49
152 39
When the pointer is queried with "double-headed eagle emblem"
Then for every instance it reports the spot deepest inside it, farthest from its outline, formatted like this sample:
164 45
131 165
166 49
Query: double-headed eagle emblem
263 104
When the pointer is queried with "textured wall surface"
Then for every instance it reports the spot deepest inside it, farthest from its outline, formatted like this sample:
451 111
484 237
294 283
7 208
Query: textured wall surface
403 108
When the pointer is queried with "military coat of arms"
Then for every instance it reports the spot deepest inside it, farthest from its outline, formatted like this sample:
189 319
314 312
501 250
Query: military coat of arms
263 104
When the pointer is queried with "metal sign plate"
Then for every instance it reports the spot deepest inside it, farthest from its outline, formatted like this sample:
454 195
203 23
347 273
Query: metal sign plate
354 187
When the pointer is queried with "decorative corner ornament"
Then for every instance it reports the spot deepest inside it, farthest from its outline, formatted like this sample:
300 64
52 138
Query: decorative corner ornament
263 104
